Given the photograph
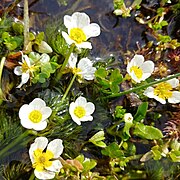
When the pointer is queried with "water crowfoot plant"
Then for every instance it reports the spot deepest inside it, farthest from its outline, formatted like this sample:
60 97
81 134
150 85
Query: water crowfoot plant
34 115
80 30
46 163
81 110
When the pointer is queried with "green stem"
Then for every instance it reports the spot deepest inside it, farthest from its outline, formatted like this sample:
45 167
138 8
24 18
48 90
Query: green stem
32 176
69 87
142 86
26 24
60 72
14 143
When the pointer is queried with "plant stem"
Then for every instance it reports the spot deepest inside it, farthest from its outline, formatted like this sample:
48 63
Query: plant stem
60 72
68 88
1 70
32 176
14 143
26 24
142 86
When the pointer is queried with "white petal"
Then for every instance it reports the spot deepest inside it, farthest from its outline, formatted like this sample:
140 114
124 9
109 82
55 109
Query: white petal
24 111
90 108
18 70
134 77
56 147
39 143
147 67
24 79
46 112
44 174
80 19
175 97
44 58
68 22
76 119
72 60
81 101
173 82
85 45
26 123
56 166
92 30
26 58
149 92
38 103
86 118
137 60
67 38
39 126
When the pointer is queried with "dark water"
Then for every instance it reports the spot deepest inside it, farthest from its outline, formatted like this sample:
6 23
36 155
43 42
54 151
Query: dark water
117 34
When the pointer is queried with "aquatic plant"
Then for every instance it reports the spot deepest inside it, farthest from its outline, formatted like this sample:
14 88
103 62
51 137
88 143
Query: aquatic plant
103 119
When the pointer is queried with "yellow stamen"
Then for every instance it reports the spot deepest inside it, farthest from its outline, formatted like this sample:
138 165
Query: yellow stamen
35 116
137 71
76 70
42 159
163 90
25 67
79 111
77 35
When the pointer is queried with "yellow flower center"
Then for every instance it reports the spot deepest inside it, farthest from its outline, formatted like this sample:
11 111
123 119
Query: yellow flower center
25 67
42 159
77 35
79 111
35 116
163 90
76 70
137 71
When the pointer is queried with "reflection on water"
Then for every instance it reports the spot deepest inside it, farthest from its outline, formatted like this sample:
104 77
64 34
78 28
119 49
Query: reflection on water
118 34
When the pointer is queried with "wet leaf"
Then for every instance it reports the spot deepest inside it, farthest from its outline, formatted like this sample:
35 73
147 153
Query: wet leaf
113 151
141 112
147 132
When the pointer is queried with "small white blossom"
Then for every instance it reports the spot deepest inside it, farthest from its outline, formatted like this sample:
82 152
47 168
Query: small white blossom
34 115
128 117
45 163
80 30
84 67
163 91
25 69
138 69
81 110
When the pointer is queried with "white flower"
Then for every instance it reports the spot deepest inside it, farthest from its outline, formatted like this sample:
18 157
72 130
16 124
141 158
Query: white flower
34 115
84 67
80 30
81 110
128 117
138 69
163 91
24 70
46 163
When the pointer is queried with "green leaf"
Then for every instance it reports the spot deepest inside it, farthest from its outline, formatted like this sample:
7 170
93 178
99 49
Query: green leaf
147 132
114 88
101 73
113 151
97 139
39 38
89 164
175 156
116 76
141 112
